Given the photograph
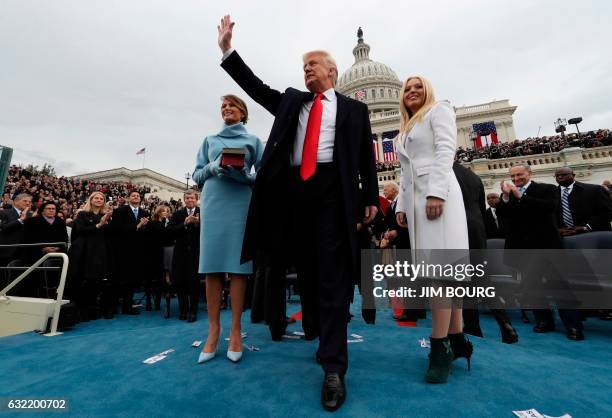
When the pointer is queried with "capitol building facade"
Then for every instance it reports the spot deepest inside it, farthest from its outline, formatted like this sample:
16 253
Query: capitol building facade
377 85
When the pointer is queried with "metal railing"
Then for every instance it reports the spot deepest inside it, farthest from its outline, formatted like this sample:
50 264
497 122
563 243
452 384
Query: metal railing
36 266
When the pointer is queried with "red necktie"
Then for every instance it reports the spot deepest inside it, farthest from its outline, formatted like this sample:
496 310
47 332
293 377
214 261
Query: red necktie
311 140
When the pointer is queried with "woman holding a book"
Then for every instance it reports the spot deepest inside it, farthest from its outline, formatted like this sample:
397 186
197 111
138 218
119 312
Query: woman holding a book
223 172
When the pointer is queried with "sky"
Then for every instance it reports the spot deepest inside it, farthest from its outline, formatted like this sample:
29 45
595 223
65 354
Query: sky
86 84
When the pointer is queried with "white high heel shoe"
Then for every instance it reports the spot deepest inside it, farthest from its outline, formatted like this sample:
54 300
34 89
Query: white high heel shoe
234 356
204 357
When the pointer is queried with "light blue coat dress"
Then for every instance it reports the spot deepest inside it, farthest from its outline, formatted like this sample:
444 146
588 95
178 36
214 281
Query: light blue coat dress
225 200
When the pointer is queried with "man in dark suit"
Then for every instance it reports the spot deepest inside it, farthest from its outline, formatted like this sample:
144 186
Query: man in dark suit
127 227
473 193
11 226
395 235
584 207
493 225
185 226
529 212
318 151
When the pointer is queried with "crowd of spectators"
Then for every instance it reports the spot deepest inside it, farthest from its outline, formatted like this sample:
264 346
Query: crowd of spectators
71 194
529 146
387 165
540 145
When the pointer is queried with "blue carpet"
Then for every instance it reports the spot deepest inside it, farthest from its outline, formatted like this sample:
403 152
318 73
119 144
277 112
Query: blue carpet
98 368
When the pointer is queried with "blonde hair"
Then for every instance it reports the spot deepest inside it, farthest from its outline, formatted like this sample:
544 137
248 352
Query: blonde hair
328 59
158 210
408 120
87 206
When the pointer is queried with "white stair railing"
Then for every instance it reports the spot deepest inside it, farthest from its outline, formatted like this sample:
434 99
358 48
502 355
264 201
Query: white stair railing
60 289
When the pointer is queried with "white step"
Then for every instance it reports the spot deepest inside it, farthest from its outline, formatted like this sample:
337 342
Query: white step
20 314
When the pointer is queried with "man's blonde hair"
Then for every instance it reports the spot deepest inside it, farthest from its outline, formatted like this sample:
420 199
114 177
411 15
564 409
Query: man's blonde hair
328 59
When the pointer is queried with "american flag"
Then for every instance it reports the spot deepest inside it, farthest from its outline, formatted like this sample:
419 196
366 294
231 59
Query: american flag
485 133
142 151
360 95
375 146
388 147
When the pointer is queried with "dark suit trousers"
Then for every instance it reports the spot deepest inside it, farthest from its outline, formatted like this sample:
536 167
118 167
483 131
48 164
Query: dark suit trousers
323 263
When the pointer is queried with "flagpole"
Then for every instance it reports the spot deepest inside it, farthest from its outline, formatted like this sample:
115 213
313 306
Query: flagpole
144 154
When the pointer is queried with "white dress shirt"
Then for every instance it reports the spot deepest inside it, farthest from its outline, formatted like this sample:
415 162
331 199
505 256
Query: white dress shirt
134 211
494 213
569 189
327 135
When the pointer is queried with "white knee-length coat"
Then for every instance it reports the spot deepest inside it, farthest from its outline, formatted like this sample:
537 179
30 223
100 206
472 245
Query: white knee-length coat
426 154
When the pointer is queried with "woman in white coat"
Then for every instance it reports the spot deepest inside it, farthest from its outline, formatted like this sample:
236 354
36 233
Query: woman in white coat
430 204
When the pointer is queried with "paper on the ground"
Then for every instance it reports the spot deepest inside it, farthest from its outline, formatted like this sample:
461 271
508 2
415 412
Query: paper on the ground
359 337
534 413
300 333
196 343
425 343
154 359
354 341
291 337
251 347
159 356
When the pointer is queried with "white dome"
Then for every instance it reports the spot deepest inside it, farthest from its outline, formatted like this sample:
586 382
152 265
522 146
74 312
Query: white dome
365 71
377 83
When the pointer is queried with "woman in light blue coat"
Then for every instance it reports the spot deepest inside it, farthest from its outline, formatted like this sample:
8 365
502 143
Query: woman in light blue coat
226 193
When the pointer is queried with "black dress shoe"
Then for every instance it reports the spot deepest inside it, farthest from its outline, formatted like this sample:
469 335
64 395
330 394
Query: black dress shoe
369 316
543 326
333 392
575 334
192 318
508 334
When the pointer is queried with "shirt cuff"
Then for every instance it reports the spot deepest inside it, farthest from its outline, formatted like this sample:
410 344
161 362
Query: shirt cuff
505 198
227 54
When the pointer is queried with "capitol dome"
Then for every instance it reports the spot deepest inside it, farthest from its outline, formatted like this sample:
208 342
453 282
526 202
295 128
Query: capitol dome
369 81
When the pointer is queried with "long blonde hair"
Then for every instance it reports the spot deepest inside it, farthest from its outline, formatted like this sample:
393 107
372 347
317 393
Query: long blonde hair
158 210
88 208
408 120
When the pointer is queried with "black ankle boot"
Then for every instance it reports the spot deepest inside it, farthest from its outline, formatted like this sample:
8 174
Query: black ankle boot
440 359
462 347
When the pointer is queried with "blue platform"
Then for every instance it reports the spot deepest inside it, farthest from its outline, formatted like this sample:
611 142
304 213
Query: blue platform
98 367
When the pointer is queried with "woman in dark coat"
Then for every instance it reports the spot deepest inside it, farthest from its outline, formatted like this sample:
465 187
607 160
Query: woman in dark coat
88 271
160 248
46 227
